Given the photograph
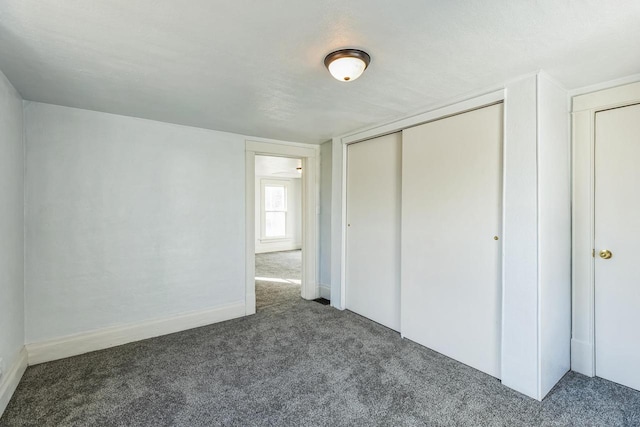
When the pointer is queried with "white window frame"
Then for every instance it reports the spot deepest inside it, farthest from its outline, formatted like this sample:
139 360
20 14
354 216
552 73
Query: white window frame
274 183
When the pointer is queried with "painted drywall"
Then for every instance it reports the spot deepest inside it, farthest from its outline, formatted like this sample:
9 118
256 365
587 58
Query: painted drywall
293 239
537 229
520 242
554 231
128 220
11 232
325 218
338 212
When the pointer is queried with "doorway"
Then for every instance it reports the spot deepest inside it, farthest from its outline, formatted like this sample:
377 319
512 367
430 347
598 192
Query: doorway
278 231
308 157
606 301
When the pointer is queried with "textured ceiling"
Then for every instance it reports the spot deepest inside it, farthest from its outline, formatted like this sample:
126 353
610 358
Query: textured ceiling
255 67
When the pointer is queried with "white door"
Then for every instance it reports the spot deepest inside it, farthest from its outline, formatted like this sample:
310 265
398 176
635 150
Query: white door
451 218
373 229
617 229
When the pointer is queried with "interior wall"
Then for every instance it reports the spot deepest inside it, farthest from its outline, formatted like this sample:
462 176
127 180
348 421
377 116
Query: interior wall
537 251
338 235
554 217
325 219
294 218
128 220
11 231
520 242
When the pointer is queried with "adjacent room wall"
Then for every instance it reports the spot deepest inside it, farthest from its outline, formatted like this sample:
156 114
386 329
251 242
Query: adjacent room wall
128 220
294 218
325 219
11 240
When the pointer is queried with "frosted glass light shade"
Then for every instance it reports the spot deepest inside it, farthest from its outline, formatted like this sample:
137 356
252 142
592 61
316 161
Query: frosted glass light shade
347 65
346 69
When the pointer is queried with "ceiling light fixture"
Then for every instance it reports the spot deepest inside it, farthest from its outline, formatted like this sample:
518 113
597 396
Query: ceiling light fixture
347 64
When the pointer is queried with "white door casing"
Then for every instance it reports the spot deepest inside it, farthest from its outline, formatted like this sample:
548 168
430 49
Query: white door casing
373 229
617 229
451 217
310 157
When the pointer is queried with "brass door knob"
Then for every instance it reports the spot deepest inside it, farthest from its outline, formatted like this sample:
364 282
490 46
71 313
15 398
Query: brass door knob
605 254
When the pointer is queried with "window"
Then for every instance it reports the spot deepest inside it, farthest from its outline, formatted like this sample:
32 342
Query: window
274 209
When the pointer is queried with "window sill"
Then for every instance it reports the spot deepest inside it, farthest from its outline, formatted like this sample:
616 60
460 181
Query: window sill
275 239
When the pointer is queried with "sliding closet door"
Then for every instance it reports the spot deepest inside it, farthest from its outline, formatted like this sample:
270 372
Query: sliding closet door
451 223
373 229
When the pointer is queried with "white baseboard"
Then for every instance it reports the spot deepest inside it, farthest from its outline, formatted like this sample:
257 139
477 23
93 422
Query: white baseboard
9 381
250 305
74 345
325 291
582 357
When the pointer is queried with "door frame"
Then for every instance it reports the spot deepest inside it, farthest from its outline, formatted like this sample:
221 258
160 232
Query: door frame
310 155
583 112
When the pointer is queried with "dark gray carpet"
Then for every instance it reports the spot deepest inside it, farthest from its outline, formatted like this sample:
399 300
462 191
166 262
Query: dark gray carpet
296 363
285 270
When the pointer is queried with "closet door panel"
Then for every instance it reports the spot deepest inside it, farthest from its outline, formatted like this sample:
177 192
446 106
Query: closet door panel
373 230
451 218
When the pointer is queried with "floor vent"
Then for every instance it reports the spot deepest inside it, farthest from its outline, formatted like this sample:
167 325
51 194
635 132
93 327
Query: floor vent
322 301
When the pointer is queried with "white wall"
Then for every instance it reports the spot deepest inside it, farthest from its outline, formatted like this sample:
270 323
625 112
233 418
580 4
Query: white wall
554 230
128 220
293 238
338 212
537 245
520 242
325 219
11 235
